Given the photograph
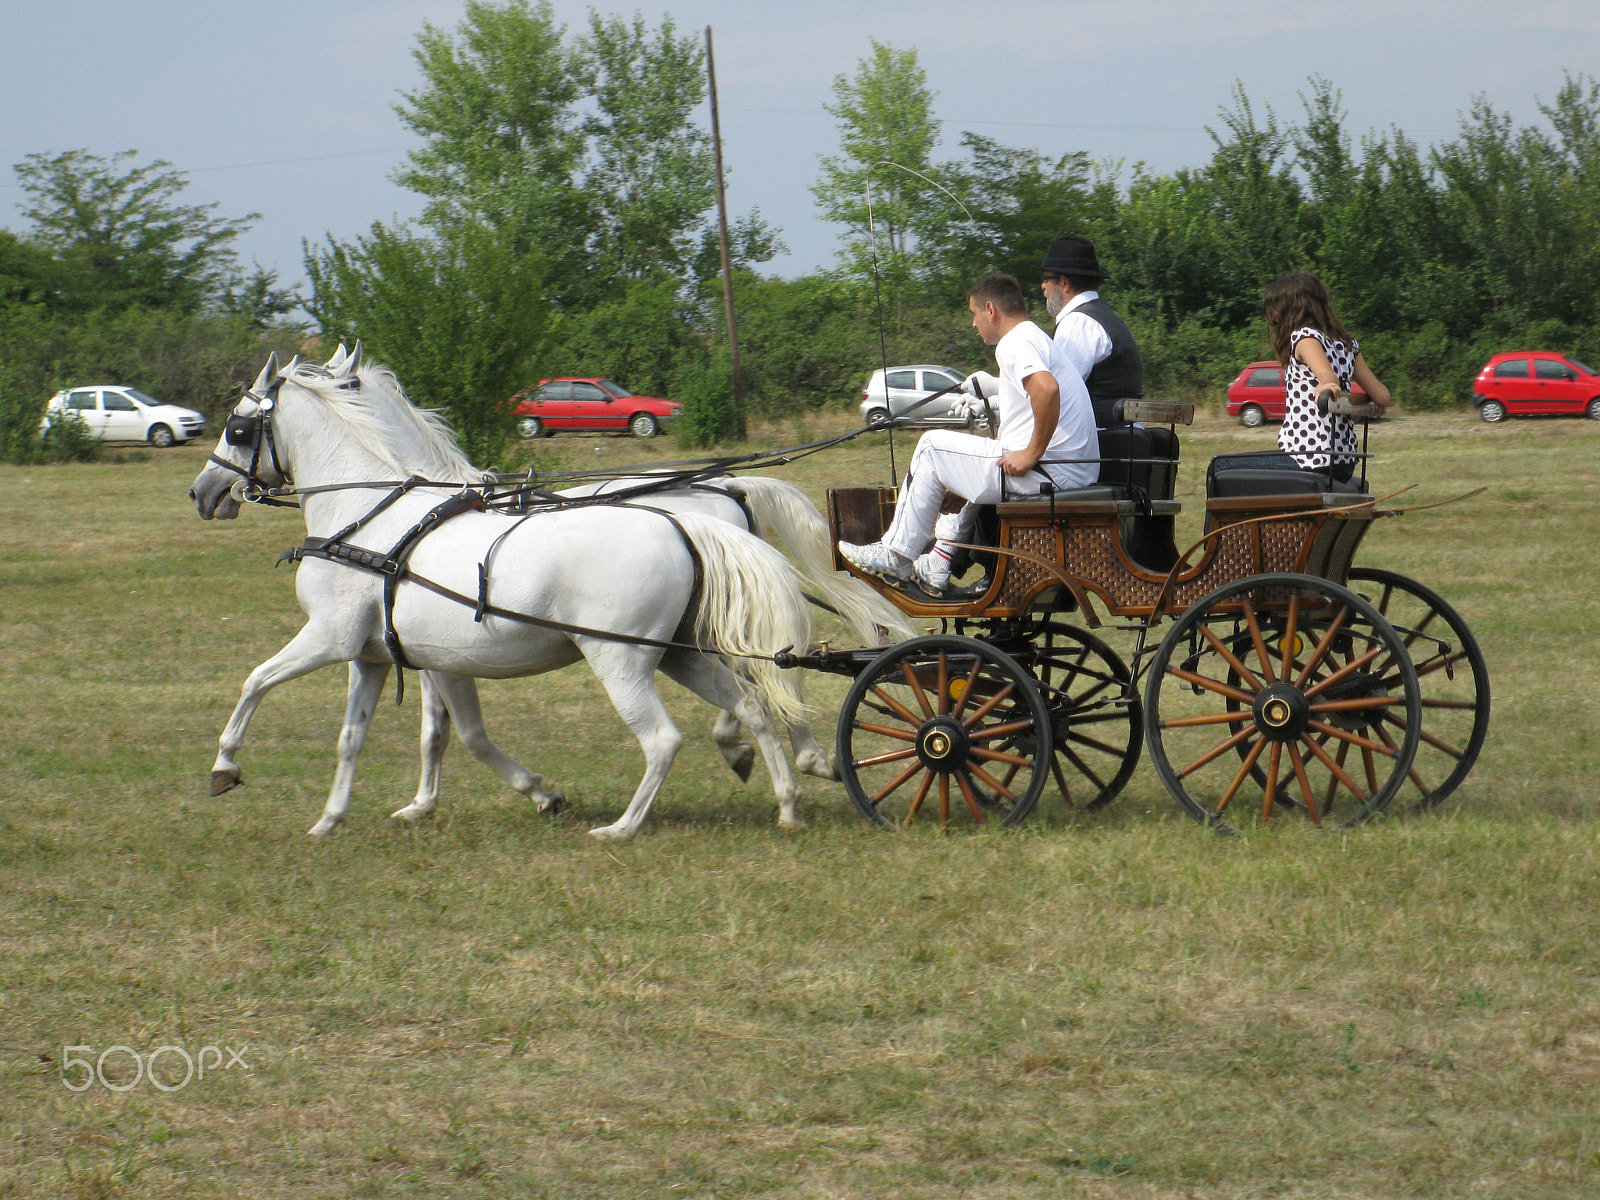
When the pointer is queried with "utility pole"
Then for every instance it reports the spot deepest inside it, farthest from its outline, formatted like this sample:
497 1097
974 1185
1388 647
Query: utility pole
722 239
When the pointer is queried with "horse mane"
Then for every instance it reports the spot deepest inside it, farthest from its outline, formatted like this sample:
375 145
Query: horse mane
379 415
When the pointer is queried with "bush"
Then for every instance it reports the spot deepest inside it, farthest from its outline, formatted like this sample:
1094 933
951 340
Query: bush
705 389
22 405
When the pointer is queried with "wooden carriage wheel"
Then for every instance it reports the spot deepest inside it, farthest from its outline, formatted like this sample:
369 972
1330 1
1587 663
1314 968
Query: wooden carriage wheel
1453 676
944 729
1288 688
1097 721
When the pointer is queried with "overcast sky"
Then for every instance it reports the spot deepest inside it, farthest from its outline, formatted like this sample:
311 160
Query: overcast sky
286 109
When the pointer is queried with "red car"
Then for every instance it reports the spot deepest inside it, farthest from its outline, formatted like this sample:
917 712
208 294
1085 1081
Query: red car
567 403
1524 383
1257 395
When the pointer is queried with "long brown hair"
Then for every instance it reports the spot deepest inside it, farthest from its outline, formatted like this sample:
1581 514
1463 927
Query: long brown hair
1293 302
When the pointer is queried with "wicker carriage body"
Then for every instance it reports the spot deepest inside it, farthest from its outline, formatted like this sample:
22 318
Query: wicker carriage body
1073 553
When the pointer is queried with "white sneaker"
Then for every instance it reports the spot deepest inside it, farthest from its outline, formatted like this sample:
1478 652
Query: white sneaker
877 559
932 571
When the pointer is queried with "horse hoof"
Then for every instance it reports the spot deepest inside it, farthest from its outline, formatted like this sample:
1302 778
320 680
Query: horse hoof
608 833
224 781
552 803
322 830
817 766
743 763
791 824
411 814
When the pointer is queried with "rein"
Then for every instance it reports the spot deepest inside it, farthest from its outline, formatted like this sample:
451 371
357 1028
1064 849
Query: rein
393 567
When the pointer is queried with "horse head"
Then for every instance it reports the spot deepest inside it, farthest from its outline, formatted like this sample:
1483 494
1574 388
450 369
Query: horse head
245 462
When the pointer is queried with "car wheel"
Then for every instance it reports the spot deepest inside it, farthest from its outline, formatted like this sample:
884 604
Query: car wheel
643 425
1593 411
876 415
161 436
1494 412
530 427
1251 415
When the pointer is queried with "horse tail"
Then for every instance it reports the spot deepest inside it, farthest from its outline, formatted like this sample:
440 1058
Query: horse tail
786 518
750 605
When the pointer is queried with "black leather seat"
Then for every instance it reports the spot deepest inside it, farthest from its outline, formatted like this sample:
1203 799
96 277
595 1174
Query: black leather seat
1271 473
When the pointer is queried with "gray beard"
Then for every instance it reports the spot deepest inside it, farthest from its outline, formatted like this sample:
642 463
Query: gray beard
1053 305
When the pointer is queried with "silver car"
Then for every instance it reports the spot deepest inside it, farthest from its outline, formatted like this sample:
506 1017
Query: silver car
893 391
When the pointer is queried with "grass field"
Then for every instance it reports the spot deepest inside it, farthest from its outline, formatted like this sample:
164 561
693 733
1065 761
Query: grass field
495 1005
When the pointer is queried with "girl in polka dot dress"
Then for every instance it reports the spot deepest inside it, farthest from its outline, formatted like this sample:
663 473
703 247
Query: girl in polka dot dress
1317 355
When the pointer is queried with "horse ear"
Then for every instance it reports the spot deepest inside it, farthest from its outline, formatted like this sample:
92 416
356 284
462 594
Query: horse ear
338 358
293 363
268 373
352 365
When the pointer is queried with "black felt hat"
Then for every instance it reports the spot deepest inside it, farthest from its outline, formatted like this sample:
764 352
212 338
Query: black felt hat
1072 255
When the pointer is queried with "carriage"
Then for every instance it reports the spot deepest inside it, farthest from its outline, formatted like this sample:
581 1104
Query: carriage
1262 669
1259 662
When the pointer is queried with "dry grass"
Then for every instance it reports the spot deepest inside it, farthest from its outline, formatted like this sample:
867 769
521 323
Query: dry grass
1110 1006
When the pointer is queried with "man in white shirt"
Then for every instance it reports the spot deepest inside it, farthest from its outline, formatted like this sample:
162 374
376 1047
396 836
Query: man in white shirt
1094 339
1044 414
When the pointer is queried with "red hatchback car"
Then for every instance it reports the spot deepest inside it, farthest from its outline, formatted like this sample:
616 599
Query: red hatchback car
1535 383
1257 395
595 404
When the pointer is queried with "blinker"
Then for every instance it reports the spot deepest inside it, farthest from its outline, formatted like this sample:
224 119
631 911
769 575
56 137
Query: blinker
242 431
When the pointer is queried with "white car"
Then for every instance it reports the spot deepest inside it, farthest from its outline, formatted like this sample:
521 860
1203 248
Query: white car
897 389
125 414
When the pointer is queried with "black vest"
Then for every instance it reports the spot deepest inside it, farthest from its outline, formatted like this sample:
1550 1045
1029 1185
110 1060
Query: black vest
1119 375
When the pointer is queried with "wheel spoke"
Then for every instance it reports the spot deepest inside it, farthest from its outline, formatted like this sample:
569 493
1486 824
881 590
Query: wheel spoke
901 735
972 679
1305 783
1238 780
1290 629
1273 760
1233 660
877 760
1084 768
1217 751
916 688
922 793
1212 685
972 801
1254 625
895 783
898 709
1321 650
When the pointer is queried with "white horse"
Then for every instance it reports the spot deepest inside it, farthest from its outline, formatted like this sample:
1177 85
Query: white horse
598 583
777 512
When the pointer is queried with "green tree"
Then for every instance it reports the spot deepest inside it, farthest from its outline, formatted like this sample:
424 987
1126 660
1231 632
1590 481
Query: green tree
459 316
885 115
119 237
652 173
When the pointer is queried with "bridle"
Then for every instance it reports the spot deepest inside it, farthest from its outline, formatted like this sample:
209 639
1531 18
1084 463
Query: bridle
254 430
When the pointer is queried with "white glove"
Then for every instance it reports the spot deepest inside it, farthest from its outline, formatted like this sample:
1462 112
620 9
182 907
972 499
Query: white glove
965 407
980 384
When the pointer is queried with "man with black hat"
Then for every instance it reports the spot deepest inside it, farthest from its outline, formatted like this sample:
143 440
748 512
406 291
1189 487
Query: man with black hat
1092 338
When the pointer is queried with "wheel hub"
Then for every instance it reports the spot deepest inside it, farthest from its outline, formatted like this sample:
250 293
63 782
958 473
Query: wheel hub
1281 712
1360 686
943 745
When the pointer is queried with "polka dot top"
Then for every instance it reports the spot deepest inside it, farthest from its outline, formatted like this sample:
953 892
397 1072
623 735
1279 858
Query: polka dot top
1306 434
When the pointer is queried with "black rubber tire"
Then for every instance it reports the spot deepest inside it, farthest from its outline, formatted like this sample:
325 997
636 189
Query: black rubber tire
1097 719
1453 676
161 437
643 425
1492 411
531 427
1252 415
1593 411
941 717
876 415
1348 671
